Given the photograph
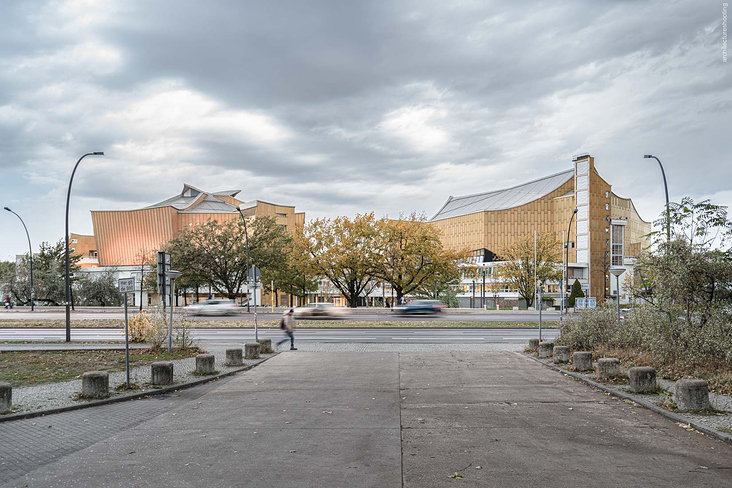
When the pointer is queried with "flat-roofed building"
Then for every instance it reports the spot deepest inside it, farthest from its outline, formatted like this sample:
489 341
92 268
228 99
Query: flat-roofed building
607 230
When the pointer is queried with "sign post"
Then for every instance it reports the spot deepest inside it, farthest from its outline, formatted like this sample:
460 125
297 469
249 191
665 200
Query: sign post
163 270
254 277
127 285
172 274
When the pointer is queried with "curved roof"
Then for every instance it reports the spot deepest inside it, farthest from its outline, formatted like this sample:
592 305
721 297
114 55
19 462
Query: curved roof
503 199
185 202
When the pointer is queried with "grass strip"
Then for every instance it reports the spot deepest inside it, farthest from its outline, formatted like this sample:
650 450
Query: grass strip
29 368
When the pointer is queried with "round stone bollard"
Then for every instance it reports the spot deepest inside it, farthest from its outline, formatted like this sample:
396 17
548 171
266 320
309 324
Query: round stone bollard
608 367
233 357
6 397
582 360
643 380
691 395
561 354
95 384
533 343
205 364
546 349
251 350
162 373
265 346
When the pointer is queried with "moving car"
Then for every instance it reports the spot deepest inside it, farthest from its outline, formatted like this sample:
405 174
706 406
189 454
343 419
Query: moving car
321 310
213 307
420 307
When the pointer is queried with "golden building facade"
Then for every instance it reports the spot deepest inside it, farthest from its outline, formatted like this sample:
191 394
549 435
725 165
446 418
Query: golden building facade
607 231
131 237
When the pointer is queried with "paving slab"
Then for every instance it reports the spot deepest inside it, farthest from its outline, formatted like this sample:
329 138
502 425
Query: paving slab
549 432
334 432
375 419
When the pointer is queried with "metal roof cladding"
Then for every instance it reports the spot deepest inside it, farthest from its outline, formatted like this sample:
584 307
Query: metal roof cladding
502 199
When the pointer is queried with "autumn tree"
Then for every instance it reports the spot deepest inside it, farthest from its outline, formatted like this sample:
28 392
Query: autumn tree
214 253
49 272
343 250
520 266
410 255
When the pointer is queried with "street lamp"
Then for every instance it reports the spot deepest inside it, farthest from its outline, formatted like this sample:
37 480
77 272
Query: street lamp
566 264
68 281
665 187
482 291
30 249
246 239
617 272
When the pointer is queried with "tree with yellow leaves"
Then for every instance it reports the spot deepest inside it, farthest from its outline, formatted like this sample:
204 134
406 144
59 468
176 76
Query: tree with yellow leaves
518 271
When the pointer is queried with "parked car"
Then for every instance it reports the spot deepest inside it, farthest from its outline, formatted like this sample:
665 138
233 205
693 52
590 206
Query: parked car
420 307
325 310
213 307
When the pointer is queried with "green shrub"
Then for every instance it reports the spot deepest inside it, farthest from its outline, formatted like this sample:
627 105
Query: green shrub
575 293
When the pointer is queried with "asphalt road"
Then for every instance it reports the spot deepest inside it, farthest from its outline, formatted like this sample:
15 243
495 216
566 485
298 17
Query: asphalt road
490 316
350 335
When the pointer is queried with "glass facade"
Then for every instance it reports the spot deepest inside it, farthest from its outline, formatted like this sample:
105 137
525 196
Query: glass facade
616 249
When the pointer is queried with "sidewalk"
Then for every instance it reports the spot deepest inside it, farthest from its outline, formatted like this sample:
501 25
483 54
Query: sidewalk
376 419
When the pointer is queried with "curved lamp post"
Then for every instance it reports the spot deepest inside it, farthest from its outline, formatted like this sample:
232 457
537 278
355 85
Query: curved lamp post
68 282
566 262
30 250
246 239
665 187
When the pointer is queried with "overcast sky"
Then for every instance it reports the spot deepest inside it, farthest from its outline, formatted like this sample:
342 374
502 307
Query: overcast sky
348 107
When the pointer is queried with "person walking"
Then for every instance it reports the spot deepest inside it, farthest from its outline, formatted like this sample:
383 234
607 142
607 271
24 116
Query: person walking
288 325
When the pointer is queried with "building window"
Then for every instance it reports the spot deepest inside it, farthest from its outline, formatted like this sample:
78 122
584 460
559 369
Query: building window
607 230
616 250
284 228
607 194
281 215
74 241
92 254
607 218
607 206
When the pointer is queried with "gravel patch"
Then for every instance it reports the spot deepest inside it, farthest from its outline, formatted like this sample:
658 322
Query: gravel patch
63 394
713 421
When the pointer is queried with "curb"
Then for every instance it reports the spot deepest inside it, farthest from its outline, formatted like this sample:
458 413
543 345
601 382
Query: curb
133 396
643 403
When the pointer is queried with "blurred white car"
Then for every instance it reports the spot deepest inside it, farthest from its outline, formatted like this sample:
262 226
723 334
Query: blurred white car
213 307
314 310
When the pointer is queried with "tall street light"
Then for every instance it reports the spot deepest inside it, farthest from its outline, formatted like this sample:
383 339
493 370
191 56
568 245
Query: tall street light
566 260
30 249
246 240
68 281
665 187
617 272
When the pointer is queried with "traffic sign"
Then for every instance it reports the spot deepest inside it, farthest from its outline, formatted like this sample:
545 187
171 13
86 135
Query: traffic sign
254 274
126 285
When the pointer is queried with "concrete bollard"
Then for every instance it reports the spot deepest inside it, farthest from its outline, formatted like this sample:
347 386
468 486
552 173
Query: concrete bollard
162 373
233 357
6 397
561 354
95 384
546 349
251 350
265 346
691 395
643 380
205 364
534 344
607 368
582 360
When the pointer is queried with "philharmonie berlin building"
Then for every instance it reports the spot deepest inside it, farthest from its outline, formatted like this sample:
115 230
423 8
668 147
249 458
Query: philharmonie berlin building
607 232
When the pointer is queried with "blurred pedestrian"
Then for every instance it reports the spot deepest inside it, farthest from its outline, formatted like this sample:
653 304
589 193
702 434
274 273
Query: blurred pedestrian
288 325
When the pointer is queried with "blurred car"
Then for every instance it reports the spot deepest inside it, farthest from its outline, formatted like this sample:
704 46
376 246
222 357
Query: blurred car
324 310
213 307
420 307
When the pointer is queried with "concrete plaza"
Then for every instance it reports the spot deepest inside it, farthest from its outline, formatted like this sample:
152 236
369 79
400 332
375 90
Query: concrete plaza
376 419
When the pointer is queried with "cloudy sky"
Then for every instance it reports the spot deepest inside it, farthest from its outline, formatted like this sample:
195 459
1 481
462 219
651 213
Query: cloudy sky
347 107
